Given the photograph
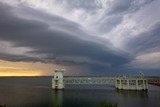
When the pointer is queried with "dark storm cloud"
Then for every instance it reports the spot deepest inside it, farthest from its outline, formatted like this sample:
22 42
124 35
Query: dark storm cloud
146 42
62 45
19 58
56 21
59 24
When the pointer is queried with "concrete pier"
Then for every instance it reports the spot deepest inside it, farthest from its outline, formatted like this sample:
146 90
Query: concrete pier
131 83
121 83
57 80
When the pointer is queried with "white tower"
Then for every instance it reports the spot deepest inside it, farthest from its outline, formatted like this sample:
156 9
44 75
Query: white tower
57 80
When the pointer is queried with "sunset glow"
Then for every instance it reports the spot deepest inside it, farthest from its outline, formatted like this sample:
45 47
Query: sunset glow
8 68
21 73
13 71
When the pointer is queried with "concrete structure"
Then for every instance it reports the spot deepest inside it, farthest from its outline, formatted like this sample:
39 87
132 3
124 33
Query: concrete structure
57 81
124 83
131 83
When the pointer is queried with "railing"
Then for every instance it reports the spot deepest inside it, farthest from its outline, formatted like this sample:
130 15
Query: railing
89 80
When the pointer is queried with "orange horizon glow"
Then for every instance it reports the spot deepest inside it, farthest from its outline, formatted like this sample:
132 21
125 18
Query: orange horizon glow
15 71
8 68
21 73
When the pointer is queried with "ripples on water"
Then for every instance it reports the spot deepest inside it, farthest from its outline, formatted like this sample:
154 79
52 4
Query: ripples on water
37 92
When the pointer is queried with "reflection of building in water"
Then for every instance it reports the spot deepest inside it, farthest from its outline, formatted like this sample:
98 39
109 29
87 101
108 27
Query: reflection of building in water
57 98
131 94
131 83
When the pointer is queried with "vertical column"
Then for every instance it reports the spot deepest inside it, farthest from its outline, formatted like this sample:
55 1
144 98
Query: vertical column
128 84
144 84
120 84
136 84
116 84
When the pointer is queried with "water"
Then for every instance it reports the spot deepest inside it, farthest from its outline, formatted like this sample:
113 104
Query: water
37 92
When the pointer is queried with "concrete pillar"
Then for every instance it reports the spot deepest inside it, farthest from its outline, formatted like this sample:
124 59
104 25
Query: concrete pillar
57 80
128 84
120 84
146 84
143 85
136 84
116 84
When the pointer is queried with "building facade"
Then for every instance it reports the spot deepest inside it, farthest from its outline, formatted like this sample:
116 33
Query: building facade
131 83
57 80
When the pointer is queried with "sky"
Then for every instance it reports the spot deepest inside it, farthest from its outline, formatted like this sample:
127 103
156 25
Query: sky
85 37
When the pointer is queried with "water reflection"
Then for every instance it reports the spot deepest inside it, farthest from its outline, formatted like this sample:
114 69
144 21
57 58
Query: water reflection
57 98
37 92
80 98
125 93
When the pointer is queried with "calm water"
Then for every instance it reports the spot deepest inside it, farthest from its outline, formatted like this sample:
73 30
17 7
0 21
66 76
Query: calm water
37 92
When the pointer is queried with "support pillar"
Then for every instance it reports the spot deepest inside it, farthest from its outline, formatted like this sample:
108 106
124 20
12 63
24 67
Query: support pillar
116 84
120 84
136 84
128 84
143 85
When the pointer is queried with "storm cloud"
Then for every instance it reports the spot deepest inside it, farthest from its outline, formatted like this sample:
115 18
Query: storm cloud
98 35
53 45
147 41
146 49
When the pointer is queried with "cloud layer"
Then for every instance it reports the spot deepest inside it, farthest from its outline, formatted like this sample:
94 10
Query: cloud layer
98 35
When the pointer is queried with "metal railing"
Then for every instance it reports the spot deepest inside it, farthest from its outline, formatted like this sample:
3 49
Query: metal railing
89 80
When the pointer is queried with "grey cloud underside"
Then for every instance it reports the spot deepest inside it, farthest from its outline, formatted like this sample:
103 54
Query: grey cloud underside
90 6
62 46
126 6
61 24
115 6
19 58
108 23
146 42
113 14
117 10
119 6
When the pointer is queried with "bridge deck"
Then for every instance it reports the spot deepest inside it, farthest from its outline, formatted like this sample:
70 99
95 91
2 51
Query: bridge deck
89 80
